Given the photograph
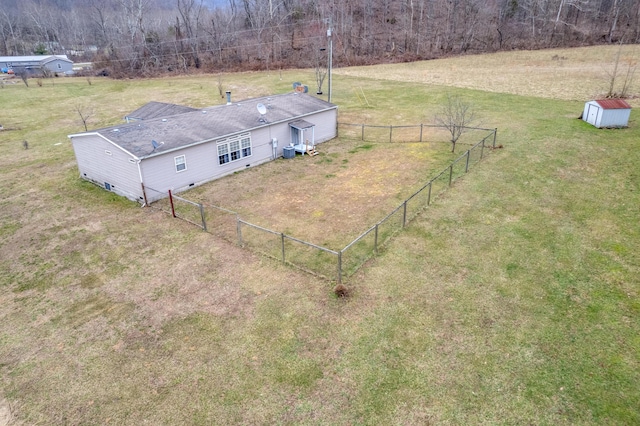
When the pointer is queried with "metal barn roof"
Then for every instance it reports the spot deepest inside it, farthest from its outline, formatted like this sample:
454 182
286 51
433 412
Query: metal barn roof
613 104
209 123
34 58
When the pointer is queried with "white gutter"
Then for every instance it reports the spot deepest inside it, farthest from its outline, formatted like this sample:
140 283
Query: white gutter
144 193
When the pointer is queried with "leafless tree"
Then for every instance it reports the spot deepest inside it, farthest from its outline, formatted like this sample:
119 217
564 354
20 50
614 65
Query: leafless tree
137 37
456 115
616 74
85 112
190 13
220 82
321 68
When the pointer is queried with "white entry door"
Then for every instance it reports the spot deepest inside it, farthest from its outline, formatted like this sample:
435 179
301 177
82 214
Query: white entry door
592 114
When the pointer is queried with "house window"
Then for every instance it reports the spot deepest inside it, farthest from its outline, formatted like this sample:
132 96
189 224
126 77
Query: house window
234 148
181 163
246 147
223 154
59 66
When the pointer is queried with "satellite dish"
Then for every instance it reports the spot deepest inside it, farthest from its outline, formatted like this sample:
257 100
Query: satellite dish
155 144
261 109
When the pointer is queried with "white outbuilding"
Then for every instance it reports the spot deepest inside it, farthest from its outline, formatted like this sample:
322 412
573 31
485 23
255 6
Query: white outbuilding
607 113
36 64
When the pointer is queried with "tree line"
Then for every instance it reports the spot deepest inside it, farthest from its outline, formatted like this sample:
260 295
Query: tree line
148 37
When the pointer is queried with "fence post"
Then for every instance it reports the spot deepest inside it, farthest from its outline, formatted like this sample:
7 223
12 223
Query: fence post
362 136
482 149
204 222
239 230
340 267
450 173
375 241
495 133
466 167
282 239
390 133
429 196
421 131
173 211
404 214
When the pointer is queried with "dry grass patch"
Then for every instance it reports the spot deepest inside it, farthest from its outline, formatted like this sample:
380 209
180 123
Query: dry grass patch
330 198
550 73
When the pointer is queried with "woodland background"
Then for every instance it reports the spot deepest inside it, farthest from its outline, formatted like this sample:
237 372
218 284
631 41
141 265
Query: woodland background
149 37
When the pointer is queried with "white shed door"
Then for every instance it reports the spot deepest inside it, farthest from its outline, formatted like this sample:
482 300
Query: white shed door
592 114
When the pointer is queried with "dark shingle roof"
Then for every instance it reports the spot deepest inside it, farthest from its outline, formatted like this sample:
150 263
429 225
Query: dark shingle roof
210 123
158 109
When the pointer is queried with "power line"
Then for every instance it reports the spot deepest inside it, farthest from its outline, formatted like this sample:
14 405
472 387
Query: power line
190 52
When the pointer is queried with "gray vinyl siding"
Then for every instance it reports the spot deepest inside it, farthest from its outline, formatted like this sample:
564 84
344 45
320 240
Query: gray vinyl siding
58 65
325 124
325 128
97 166
159 172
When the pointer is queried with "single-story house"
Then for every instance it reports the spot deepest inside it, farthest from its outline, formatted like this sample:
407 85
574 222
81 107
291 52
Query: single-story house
143 159
37 63
607 113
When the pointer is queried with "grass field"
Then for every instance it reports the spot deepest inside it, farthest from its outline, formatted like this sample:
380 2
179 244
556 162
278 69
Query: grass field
513 300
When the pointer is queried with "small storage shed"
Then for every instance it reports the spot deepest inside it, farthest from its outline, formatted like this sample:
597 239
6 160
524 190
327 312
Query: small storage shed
607 113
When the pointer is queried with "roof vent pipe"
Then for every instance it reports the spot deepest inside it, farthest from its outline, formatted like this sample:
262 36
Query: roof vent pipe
228 97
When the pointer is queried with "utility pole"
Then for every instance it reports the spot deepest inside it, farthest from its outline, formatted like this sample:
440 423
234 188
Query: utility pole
330 55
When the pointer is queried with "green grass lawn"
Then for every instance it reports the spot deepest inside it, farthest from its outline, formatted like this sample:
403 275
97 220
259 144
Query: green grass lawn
513 299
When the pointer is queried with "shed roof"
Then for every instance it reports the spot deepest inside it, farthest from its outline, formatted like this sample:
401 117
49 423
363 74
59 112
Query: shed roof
158 109
613 104
210 123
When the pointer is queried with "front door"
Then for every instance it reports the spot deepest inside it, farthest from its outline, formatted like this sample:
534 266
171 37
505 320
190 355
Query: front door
297 136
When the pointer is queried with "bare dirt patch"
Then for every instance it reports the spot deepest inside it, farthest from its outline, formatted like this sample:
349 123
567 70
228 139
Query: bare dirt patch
5 413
